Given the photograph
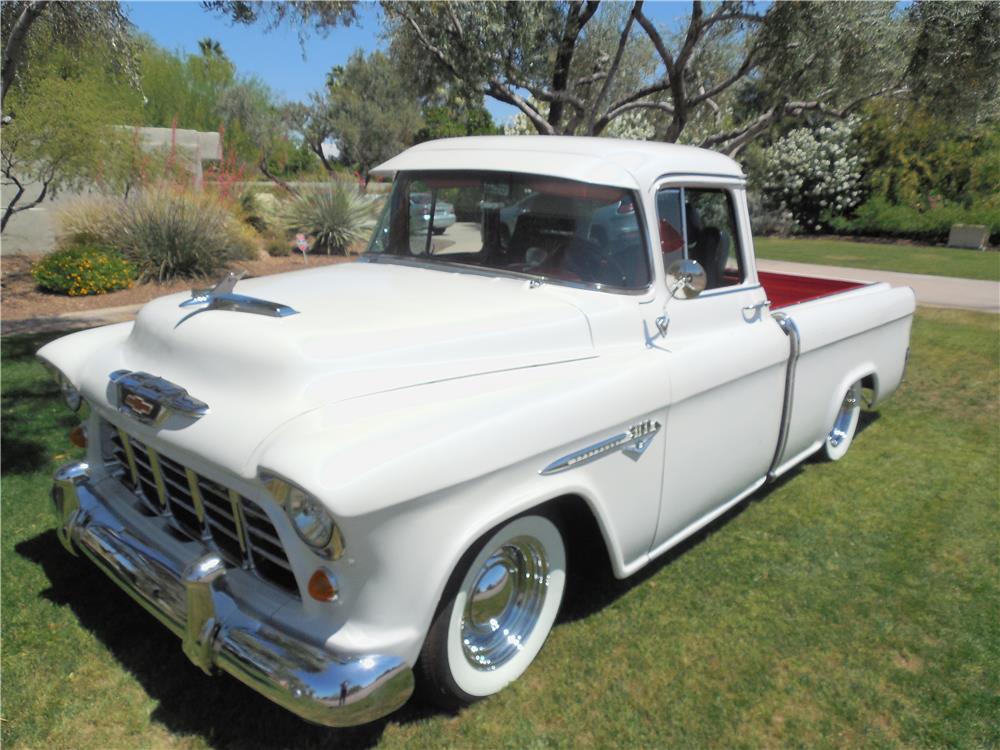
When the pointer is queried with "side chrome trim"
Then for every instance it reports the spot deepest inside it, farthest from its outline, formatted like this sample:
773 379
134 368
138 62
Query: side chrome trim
794 348
195 600
633 443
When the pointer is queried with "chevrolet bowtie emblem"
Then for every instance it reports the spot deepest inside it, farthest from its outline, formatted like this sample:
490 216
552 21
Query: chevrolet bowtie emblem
139 405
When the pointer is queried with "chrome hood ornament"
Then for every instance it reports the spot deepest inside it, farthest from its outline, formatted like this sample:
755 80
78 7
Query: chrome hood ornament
222 297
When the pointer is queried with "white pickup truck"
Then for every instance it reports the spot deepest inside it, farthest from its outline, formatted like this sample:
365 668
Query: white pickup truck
336 483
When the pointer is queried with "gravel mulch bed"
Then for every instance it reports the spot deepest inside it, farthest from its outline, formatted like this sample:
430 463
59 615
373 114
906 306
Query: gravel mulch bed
22 303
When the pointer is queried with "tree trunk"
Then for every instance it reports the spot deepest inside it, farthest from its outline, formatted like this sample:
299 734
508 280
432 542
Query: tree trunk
15 45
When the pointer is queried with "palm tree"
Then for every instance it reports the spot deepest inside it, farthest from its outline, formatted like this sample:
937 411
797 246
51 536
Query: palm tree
210 47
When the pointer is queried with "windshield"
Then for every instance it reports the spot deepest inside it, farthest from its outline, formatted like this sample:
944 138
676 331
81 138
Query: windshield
543 226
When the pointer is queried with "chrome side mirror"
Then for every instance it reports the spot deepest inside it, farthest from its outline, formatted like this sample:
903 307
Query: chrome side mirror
687 277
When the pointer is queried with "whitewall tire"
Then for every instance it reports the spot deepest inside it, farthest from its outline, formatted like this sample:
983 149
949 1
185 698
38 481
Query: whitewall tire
844 425
497 614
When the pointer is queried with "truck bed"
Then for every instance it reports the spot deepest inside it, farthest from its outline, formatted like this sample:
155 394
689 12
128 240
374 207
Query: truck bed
785 289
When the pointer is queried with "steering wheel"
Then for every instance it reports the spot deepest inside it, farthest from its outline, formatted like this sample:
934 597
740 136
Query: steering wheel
588 260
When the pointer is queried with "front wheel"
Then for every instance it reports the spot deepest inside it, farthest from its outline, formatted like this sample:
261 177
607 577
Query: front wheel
495 619
845 425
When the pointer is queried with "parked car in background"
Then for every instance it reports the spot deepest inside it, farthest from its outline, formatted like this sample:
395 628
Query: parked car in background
340 483
421 206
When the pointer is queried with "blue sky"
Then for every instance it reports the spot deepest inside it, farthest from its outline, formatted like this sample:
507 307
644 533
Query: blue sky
276 57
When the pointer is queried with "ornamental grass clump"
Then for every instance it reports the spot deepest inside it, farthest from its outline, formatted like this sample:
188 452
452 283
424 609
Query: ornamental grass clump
167 231
78 271
336 216
170 232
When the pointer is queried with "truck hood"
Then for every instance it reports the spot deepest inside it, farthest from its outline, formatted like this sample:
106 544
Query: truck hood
360 329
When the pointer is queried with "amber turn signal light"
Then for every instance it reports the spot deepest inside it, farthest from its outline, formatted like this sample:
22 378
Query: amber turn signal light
78 436
322 586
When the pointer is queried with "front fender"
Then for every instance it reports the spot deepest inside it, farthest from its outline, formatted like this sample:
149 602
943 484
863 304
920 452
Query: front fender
414 477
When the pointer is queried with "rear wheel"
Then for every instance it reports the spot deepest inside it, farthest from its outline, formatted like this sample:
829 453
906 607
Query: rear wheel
497 614
845 425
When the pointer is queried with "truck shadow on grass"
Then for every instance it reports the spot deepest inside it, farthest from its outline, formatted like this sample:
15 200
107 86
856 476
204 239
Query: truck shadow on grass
227 714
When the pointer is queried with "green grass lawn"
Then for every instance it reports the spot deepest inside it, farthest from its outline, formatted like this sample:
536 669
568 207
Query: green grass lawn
937 261
851 605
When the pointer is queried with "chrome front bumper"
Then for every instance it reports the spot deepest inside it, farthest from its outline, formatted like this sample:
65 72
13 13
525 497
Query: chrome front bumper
193 598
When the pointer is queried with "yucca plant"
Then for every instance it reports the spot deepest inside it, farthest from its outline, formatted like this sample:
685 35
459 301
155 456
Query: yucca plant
335 215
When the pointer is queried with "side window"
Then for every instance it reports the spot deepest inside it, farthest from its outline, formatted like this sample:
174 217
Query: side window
703 230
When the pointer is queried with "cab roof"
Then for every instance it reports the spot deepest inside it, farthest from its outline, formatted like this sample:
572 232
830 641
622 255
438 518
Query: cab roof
602 161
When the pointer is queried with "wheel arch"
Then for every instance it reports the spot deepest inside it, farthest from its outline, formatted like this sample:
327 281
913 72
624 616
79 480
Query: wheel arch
866 373
574 513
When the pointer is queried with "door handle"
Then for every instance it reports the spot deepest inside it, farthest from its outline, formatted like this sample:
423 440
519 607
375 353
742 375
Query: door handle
757 306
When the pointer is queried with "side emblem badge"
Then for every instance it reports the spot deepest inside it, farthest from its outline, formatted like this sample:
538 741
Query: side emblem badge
633 443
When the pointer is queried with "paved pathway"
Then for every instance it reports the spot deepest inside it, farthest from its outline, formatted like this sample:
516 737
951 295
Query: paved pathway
933 291
70 321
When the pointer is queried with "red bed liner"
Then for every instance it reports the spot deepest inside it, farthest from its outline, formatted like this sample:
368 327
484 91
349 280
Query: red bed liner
784 289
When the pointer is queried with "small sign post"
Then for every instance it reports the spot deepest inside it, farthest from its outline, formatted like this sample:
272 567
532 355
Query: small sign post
302 244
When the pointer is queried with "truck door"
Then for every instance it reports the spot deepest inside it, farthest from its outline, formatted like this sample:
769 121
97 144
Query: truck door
727 360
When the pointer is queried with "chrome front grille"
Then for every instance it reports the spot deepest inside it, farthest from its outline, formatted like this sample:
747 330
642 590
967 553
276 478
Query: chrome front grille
222 518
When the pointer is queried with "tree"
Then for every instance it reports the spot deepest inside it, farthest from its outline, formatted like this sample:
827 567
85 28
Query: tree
256 126
64 135
209 48
453 115
314 122
956 58
184 91
77 27
797 58
374 114
304 13
727 77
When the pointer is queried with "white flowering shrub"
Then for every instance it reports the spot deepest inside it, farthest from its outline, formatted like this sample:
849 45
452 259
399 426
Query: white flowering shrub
815 174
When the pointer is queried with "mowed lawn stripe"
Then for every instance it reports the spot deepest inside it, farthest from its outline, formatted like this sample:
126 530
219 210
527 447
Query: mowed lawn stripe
925 259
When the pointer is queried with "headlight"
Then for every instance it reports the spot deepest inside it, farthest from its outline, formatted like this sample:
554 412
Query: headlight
311 520
70 393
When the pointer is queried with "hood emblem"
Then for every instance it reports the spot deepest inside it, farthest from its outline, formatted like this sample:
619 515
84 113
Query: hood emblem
222 297
150 399
633 443
140 406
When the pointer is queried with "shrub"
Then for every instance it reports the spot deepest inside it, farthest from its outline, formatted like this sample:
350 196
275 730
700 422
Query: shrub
81 270
165 230
85 221
815 174
769 221
259 209
337 216
880 217
277 247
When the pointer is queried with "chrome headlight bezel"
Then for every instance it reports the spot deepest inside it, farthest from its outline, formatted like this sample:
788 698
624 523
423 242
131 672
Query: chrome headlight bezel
308 516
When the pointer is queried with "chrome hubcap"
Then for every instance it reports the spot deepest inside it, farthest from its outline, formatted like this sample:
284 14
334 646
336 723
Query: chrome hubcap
842 424
504 603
